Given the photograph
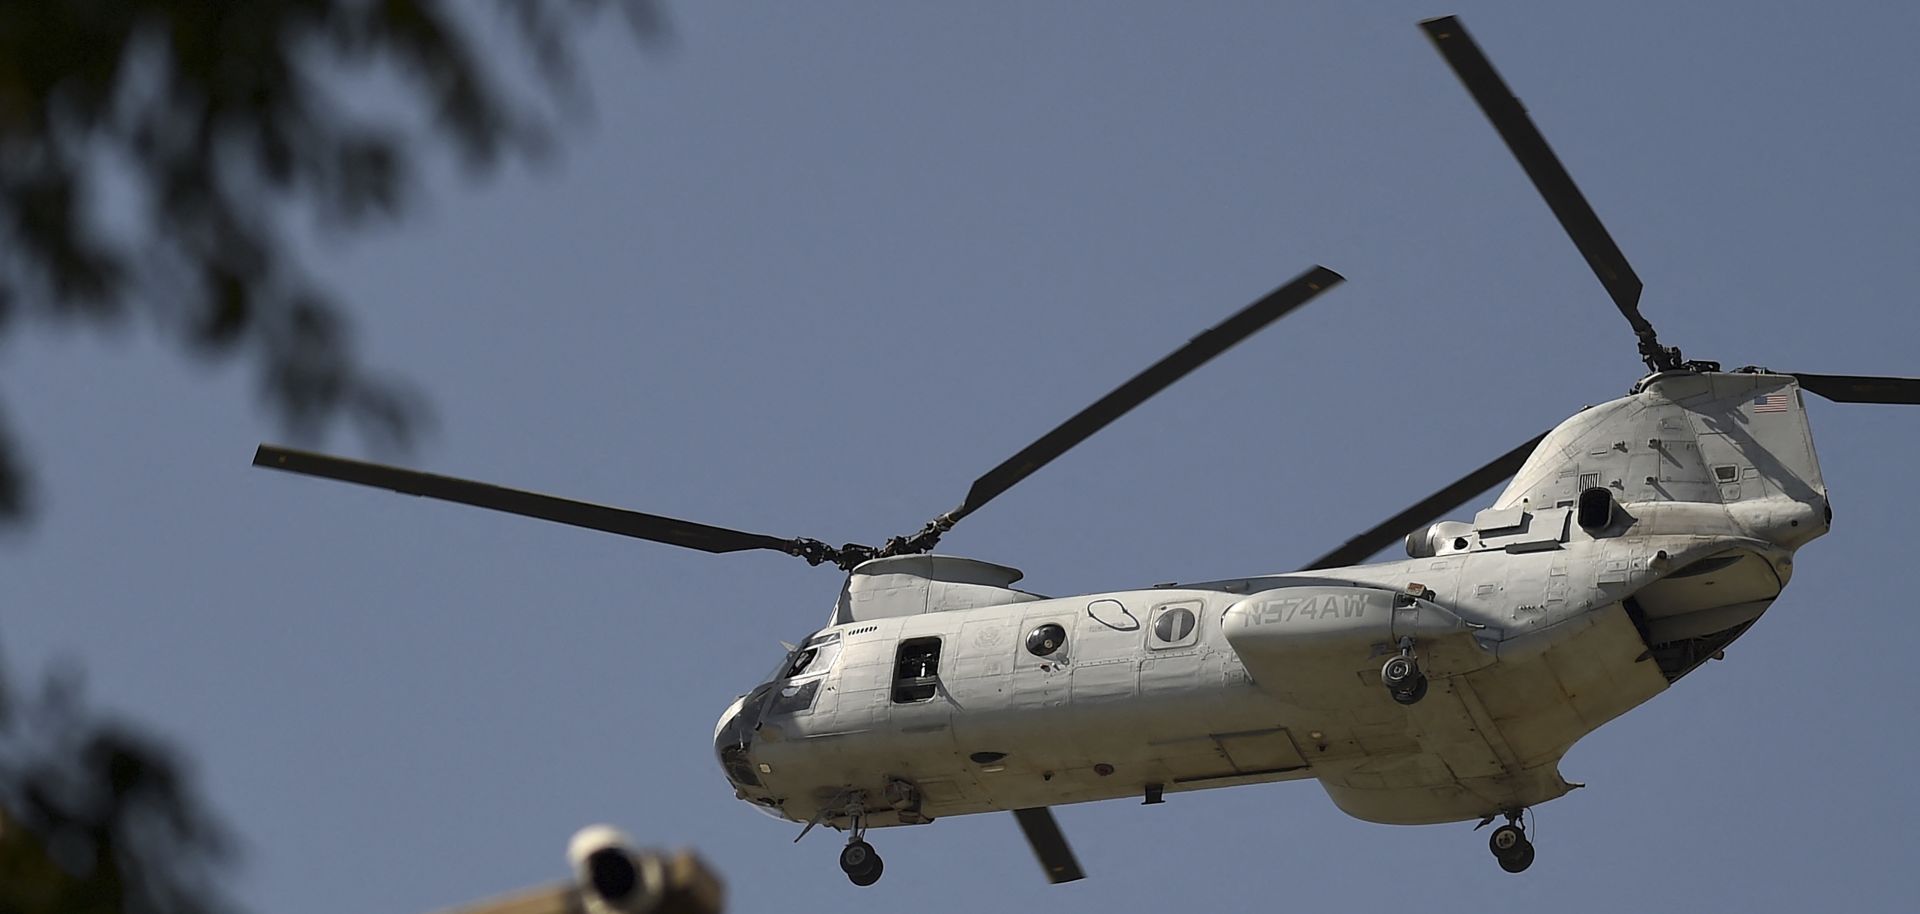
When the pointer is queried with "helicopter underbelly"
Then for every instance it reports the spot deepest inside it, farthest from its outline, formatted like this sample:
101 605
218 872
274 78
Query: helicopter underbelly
1187 723
1481 741
1492 739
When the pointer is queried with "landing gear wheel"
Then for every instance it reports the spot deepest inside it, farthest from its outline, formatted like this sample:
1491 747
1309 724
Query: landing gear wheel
1403 679
1413 694
1511 847
1505 840
857 857
870 875
1519 859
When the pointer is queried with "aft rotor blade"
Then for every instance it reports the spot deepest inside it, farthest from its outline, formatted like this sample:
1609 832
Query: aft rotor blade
1394 528
1144 385
1049 844
1510 119
1847 388
671 531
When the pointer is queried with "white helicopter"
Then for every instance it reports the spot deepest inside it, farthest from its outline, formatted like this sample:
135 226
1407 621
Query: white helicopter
1636 540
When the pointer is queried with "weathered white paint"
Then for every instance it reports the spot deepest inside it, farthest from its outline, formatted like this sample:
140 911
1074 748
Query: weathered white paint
1521 621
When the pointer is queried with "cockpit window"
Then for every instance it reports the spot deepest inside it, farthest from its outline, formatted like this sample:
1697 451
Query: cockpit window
801 661
816 656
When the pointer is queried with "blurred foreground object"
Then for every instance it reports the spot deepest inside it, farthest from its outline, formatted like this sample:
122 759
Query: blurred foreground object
160 159
611 876
96 818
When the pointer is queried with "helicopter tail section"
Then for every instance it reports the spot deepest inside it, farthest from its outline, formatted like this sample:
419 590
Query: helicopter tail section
1753 426
1738 439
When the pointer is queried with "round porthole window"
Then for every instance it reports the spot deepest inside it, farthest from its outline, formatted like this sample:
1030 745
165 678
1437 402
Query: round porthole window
1046 639
1173 625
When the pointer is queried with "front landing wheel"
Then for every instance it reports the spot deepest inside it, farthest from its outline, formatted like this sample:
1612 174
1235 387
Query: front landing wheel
857 857
870 875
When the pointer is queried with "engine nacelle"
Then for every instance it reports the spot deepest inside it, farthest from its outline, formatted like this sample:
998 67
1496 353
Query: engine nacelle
611 876
1438 539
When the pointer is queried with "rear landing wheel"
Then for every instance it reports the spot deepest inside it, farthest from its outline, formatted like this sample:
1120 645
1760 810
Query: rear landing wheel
1511 847
1403 679
1519 859
1505 840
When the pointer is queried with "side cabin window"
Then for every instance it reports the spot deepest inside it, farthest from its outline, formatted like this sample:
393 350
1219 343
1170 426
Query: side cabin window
1175 625
916 670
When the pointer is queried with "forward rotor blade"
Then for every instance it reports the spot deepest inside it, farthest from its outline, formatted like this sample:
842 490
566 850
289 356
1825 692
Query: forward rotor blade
1847 388
671 531
1144 385
1043 833
1398 526
1510 119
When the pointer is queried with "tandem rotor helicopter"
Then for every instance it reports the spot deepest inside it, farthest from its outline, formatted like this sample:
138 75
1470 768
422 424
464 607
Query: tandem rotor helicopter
1636 540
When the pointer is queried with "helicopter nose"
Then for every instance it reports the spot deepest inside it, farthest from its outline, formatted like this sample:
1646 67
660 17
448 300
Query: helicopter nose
731 737
728 718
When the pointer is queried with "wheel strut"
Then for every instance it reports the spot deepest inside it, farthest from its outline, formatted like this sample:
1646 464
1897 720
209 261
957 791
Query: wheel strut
858 859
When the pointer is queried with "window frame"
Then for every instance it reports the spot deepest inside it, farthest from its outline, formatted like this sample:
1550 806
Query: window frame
929 678
1196 607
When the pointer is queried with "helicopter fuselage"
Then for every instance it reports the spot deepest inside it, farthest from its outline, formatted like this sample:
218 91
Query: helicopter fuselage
1641 538
1636 541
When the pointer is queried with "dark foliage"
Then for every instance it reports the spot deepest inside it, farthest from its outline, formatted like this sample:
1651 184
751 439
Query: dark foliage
154 155
96 818
156 158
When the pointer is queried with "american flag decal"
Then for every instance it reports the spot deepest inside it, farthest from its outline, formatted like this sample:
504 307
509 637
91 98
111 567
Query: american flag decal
1771 403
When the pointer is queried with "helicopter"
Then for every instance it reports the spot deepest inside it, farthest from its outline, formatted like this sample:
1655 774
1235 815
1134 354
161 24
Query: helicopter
1638 539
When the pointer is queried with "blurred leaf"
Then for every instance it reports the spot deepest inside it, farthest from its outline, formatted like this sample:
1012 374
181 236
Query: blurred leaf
97 817
225 114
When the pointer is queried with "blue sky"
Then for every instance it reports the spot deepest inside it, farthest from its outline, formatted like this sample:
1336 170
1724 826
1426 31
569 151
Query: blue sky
819 267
